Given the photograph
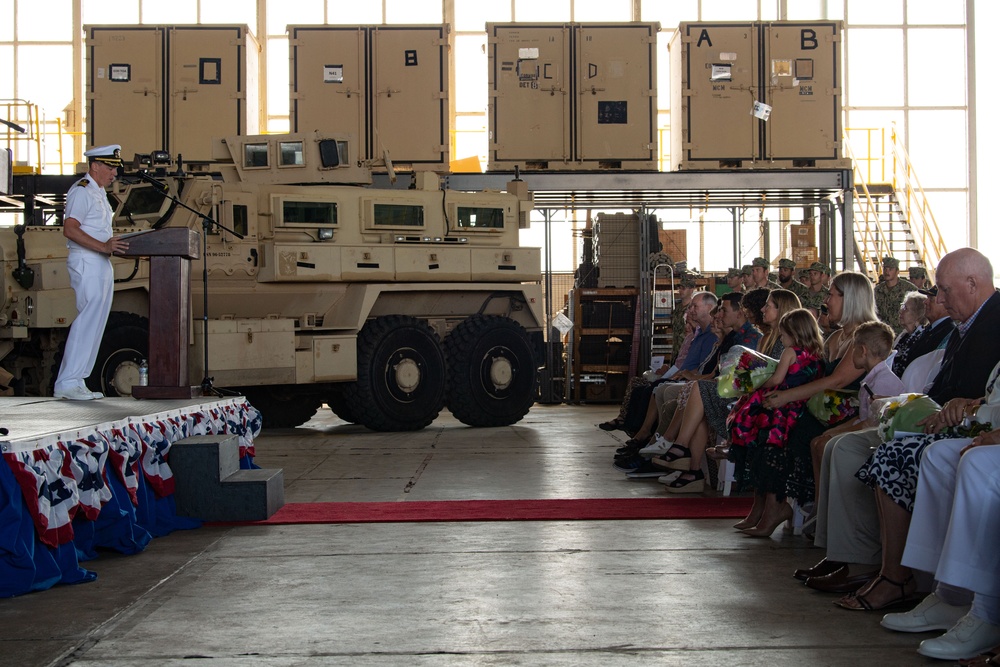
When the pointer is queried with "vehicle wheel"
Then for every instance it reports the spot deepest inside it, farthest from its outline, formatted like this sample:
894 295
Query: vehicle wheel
282 406
338 406
401 375
124 345
491 371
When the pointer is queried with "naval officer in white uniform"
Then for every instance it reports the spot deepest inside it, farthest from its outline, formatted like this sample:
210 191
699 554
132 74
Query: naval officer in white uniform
955 533
87 228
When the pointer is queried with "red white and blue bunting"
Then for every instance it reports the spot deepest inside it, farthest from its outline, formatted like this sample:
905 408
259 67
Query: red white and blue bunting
74 475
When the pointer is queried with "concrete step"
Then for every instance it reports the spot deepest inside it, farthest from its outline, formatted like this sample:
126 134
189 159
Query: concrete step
209 484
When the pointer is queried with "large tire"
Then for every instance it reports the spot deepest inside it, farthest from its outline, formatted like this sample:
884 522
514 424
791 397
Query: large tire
124 345
401 375
282 406
492 373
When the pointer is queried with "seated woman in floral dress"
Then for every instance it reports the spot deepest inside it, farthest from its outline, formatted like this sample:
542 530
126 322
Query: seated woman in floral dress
758 433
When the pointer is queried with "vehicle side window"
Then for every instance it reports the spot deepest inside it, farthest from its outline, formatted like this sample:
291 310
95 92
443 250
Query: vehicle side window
399 215
241 220
308 212
480 218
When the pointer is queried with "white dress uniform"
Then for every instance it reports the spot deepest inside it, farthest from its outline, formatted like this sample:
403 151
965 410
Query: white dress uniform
92 278
955 533
955 529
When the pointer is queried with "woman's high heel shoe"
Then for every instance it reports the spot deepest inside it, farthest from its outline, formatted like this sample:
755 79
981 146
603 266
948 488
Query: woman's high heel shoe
784 514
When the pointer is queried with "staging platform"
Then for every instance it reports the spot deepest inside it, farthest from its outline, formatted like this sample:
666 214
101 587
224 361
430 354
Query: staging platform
80 476
33 421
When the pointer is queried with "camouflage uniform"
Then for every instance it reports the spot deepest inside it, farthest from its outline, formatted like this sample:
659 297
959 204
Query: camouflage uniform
677 327
689 281
763 263
814 300
735 273
888 301
799 290
917 272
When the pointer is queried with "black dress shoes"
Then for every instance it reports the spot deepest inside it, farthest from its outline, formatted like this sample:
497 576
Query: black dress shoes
841 581
820 569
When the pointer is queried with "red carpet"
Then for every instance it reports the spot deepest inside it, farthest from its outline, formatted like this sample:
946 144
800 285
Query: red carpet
588 509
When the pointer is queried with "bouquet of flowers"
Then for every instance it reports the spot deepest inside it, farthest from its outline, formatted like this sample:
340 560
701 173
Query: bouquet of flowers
833 406
899 416
741 370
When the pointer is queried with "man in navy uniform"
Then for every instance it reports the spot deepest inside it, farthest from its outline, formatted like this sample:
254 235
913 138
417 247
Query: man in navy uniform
87 228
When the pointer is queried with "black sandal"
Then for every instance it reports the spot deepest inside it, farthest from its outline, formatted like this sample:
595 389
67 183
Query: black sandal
670 456
695 484
849 601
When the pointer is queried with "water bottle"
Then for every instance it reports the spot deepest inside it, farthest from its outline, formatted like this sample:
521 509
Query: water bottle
143 374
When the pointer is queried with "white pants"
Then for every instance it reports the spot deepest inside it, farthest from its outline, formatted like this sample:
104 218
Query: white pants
955 530
93 280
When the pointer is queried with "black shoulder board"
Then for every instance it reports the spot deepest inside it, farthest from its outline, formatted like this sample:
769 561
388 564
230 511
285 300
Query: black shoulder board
84 182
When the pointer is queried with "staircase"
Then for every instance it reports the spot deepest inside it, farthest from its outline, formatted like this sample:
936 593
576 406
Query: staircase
892 215
210 485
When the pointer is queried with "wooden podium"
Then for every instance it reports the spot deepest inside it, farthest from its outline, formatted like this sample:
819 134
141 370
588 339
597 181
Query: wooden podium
170 251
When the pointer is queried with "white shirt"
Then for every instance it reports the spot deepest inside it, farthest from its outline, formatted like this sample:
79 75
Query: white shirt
87 202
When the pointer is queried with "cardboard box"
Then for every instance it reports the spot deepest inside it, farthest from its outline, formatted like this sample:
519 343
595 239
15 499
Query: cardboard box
804 256
803 236
674 242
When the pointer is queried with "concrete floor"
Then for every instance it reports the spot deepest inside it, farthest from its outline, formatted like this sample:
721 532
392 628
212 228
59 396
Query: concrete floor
510 593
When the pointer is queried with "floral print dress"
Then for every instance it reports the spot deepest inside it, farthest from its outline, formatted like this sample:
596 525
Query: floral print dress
750 423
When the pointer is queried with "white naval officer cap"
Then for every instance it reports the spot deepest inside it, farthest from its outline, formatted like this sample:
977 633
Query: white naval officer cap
111 155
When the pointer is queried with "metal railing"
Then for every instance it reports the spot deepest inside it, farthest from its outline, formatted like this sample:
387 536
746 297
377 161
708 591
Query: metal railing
872 239
916 207
23 134
30 147
889 165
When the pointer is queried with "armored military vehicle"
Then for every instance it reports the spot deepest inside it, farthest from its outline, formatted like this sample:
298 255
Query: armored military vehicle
386 304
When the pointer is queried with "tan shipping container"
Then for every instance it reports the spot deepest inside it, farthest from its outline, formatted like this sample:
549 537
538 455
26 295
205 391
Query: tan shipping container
171 88
572 95
713 84
530 99
388 85
718 72
125 88
803 71
616 93
214 87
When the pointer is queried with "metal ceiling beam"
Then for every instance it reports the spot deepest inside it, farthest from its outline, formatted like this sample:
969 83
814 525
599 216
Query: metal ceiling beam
677 189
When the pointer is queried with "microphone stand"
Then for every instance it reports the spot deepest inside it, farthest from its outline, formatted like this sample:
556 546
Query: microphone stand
207 222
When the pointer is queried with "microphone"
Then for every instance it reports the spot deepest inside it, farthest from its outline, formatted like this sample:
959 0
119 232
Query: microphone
13 126
159 185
